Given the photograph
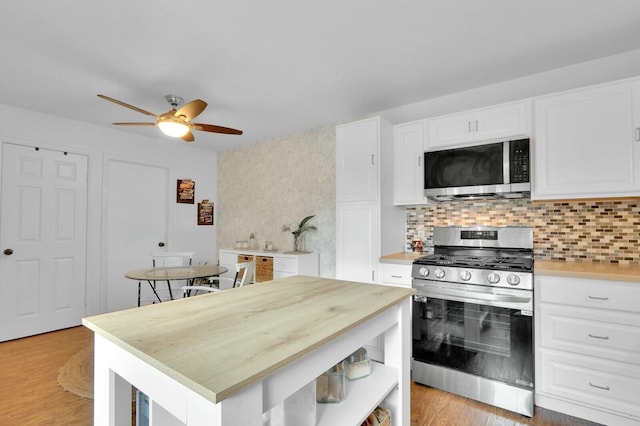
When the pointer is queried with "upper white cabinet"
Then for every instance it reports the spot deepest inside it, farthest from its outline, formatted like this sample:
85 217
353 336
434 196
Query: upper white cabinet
408 154
357 160
586 144
502 121
367 222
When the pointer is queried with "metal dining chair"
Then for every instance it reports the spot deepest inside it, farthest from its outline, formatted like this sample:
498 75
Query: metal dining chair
244 273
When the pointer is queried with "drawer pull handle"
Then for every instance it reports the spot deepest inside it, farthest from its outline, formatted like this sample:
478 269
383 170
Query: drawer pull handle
598 298
599 387
396 276
599 337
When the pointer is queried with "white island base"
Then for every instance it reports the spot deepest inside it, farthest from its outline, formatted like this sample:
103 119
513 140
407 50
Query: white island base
186 398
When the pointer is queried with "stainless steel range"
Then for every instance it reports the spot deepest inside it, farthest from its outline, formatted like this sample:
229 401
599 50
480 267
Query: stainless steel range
473 315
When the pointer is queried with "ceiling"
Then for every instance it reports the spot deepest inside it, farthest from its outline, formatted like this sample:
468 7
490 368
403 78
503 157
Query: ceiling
275 67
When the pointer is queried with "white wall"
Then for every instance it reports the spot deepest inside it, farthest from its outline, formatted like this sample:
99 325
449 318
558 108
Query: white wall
30 128
601 70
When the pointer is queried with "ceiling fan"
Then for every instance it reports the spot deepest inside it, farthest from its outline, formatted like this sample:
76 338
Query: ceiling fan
176 122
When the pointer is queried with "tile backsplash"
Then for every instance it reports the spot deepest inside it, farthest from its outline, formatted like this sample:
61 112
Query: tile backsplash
604 231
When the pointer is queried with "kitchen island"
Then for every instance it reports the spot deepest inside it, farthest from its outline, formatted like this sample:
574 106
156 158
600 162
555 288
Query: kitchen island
227 358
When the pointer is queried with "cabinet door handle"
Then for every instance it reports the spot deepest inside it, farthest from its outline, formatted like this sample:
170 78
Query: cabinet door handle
373 160
637 134
469 126
419 160
598 298
373 276
476 125
598 337
599 387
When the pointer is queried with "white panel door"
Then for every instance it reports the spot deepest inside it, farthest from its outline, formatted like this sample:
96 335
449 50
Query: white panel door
357 242
135 223
43 226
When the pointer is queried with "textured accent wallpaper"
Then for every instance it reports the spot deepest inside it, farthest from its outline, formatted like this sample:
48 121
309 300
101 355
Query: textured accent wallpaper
603 231
278 182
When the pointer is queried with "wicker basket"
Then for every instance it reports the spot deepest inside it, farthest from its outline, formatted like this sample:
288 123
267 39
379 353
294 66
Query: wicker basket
242 258
379 417
264 268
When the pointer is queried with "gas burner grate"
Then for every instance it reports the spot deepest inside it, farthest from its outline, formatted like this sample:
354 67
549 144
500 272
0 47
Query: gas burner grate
479 262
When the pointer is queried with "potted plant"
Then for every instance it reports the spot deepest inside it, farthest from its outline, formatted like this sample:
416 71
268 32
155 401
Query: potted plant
303 227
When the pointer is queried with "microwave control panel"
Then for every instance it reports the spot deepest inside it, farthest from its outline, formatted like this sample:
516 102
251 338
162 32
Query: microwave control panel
519 161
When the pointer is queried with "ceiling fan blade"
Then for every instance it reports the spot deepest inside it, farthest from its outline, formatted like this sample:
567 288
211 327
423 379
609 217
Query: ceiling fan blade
216 129
133 124
115 101
188 137
191 109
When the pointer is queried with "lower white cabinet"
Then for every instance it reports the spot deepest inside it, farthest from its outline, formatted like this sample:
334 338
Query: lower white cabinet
284 264
395 274
587 340
398 274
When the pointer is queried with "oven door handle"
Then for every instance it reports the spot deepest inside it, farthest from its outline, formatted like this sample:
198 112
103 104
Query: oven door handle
473 296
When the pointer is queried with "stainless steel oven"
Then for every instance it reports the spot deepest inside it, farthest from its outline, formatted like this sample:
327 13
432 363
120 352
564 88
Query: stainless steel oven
473 316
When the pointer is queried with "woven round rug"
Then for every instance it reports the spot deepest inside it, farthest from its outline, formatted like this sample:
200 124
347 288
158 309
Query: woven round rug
76 375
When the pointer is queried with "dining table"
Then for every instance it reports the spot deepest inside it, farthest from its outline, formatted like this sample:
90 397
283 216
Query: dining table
176 273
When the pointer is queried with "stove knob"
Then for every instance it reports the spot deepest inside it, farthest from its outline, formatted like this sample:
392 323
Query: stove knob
513 279
465 275
493 278
424 271
439 273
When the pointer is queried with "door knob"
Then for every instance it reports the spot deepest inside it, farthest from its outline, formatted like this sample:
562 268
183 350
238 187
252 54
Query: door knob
8 252
160 244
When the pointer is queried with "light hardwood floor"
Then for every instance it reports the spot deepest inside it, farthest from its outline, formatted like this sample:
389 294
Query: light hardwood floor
30 394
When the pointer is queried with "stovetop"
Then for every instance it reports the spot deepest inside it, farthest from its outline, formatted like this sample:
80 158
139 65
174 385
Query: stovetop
503 263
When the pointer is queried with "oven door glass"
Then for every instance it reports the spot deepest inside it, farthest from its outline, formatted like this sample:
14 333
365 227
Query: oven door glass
486 341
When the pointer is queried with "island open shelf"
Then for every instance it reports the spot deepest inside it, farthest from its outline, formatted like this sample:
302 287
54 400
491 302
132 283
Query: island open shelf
361 398
227 358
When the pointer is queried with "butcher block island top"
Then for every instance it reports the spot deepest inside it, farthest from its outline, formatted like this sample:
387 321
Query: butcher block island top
219 344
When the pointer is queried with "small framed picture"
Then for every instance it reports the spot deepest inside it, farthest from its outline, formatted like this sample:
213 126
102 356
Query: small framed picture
205 213
185 191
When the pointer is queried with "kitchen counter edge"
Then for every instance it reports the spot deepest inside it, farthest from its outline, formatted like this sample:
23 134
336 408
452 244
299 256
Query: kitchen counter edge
401 258
594 271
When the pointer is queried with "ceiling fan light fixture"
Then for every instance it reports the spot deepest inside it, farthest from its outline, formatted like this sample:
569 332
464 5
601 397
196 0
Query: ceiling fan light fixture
173 127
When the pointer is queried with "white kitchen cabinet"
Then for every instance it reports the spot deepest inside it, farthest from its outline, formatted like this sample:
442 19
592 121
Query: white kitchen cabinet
398 274
357 160
587 339
284 264
586 143
408 155
367 222
357 246
496 122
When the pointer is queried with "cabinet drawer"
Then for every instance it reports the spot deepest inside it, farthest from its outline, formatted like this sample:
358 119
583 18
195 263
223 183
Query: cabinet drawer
607 334
285 264
264 268
396 274
614 295
606 384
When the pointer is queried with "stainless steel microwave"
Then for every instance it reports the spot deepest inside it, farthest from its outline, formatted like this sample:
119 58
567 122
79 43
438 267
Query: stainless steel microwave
495 170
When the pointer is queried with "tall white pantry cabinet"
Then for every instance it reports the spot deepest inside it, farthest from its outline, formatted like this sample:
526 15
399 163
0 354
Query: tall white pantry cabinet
367 222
